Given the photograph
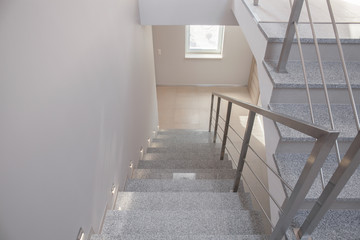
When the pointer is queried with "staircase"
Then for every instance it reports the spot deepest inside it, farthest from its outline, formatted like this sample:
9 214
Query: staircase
287 95
181 190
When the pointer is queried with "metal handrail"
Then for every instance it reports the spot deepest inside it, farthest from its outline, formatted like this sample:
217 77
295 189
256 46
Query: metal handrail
258 202
306 86
264 187
260 158
342 58
341 176
325 139
322 76
297 124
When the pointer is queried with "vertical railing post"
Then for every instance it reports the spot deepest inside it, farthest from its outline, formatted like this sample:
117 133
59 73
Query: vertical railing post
211 111
217 118
227 122
341 176
244 148
289 35
319 153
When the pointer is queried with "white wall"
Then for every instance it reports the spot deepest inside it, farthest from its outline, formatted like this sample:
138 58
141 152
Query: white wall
186 12
77 100
173 69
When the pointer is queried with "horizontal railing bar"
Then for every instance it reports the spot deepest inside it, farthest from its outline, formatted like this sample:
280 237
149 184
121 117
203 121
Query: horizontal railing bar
232 159
233 145
221 118
221 130
297 124
262 209
319 23
265 188
236 132
267 165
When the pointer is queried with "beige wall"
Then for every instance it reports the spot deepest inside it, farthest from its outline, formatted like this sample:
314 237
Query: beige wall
253 85
172 68
75 110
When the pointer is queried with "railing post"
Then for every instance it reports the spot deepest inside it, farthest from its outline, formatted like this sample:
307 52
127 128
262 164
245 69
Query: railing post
289 35
307 177
341 176
227 122
217 118
211 111
244 148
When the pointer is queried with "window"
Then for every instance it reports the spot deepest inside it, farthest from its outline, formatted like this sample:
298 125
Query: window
204 41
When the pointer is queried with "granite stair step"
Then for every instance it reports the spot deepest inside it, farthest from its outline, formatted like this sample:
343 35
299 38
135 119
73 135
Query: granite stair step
178 185
170 156
184 173
342 115
185 164
171 201
183 140
199 149
180 145
178 222
336 225
177 237
294 78
290 166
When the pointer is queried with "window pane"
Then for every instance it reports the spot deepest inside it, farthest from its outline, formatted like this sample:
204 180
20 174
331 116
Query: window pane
204 37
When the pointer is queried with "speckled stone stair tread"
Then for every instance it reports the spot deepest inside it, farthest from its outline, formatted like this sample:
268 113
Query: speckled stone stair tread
170 201
185 164
294 78
346 125
178 222
181 190
177 237
290 166
336 225
275 32
184 173
183 185
184 155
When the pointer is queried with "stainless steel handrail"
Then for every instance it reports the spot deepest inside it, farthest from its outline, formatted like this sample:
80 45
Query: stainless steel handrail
325 139
322 76
260 158
306 85
264 187
341 176
258 202
297 124
342 58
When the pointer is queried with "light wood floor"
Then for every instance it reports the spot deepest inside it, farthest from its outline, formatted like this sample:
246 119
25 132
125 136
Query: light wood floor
189 107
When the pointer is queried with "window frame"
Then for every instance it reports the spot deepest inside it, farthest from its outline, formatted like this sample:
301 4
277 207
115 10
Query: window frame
205 53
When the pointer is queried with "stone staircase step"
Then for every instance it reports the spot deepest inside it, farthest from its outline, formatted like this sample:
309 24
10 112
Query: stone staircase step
291 165
275 32
177 237
184 155
183 140
177 222
185 164
342 115
336 224
181 145
170 201
184 173
195 149
333 71
181 185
